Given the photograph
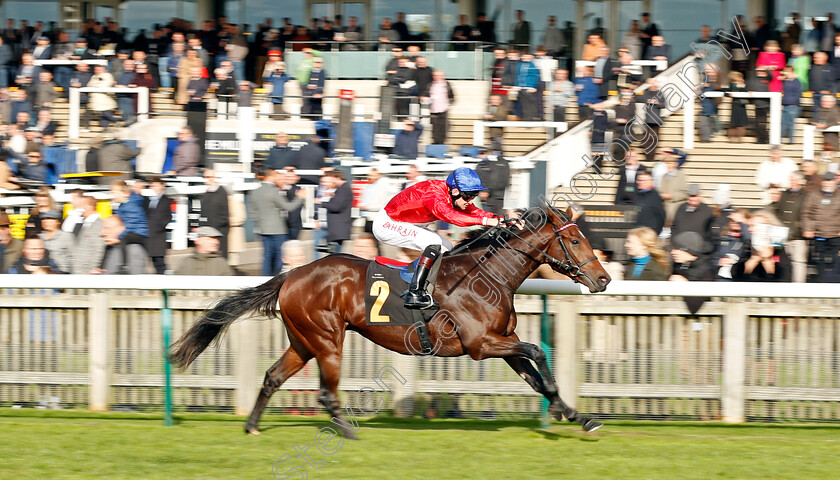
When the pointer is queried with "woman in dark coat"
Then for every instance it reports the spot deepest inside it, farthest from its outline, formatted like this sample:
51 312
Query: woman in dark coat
738 120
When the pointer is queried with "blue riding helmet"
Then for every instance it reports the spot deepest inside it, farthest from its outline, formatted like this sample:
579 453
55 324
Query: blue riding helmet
465 179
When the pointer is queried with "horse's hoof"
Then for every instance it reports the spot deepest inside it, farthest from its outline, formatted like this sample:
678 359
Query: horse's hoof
591 425
253 431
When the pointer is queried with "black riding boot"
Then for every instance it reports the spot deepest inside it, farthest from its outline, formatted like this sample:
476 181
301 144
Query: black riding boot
417 297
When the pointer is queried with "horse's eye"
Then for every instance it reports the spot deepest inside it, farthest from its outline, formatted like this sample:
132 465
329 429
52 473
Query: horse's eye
576 242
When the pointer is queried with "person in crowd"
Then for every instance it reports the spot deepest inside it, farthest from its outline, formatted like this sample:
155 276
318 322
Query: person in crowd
407 139
708 107
196 86
497 71
386 32
11 247
44 93
311 157
553 39
821 224
651 210
277 78
21 104
592 48
810 172
289 187
598 133
738 119
791 93
43 204
649 30
658 49
401 28
190 69
821 76
625 113
527 84
461 33
509 74
34 259
791 35
605 258
774 171
690 260
365 246
338 209
187 154
281 154
648 261
422 74
226 92
101 103
159 215
801 64
88 245
143 78
652 116
27 72
604 71
521 32
125 101
632 39
116 156
767 262
313 91
57 242
441 97
34 169
412 177
587 92
494 172
215 210
124 252
773 61
44 124
496 112
130 206
733 246
293 254
267 206
673 188
206 260
828 116
789 212
625 194
561 90
761 84
237 51
6 57
694 216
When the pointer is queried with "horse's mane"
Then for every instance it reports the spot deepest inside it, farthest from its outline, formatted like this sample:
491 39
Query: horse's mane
489 240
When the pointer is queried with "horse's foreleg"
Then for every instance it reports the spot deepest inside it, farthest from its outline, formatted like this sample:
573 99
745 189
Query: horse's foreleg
330 366
511 349
289 364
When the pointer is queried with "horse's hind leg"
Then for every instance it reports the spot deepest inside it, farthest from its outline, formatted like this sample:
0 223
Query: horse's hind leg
289 364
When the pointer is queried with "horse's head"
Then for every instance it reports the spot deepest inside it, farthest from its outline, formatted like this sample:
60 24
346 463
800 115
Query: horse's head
569 252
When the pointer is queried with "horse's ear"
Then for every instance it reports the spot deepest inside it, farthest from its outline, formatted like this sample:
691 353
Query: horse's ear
573 214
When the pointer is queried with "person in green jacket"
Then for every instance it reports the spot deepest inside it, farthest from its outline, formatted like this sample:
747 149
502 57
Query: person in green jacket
206 260
305 66
801 64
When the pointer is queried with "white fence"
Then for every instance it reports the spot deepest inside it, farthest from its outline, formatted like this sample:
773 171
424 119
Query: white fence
753 352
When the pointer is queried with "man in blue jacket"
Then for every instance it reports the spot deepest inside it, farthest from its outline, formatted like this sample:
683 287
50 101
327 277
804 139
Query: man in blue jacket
528 82
131 208
406 142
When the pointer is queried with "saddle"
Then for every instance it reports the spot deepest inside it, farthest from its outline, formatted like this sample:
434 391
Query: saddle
386 283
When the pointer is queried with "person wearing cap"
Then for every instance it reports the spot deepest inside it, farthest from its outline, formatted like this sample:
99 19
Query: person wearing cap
693 215
821 223
57 242
10 247
688 250
206 260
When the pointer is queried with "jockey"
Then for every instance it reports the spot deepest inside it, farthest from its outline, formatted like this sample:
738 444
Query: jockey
401 223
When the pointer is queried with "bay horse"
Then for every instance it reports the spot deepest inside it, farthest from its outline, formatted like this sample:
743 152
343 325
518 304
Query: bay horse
320 301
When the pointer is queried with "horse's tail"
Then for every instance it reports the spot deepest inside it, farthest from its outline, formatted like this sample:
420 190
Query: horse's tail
212 324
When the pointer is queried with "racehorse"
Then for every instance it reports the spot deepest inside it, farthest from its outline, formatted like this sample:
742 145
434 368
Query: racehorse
320 301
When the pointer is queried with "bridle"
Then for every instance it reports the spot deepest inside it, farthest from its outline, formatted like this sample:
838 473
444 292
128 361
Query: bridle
571 267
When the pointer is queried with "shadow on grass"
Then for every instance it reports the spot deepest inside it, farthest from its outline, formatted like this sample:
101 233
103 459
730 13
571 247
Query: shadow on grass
568 435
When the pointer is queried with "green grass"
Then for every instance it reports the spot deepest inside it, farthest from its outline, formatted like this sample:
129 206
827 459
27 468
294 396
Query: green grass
77 444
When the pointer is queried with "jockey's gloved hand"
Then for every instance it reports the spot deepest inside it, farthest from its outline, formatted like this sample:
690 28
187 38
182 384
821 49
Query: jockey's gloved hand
515 222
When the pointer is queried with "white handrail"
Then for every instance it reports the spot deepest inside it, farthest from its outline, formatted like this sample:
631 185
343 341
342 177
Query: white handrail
529 287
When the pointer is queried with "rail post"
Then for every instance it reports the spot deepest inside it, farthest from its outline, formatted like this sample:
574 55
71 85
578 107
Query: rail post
166 327
545 419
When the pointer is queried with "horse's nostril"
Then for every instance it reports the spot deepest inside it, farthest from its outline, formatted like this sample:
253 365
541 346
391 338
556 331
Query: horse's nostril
603 280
